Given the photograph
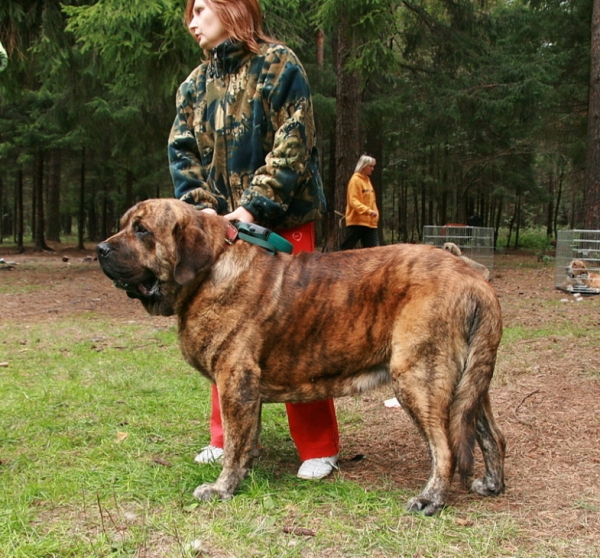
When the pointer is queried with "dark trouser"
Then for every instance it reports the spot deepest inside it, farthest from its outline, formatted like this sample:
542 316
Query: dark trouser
368 237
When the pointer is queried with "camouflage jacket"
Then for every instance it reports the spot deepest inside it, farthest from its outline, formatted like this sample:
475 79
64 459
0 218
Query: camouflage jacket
244 134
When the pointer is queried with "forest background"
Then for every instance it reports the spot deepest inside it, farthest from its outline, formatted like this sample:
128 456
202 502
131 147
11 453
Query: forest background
471 108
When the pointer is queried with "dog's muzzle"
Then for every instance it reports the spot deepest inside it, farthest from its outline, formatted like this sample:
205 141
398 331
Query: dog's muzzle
146 287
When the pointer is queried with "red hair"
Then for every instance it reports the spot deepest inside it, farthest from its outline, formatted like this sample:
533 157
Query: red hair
242 20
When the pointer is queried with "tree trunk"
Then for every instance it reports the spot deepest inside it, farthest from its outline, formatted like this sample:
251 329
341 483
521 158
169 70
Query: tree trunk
54 221
19 212
38 194
375 149
128 192
347 149
591 211
328 220
518 222
403 212
81 212
92 220
320 47
331 220
561 175
498 221
550 209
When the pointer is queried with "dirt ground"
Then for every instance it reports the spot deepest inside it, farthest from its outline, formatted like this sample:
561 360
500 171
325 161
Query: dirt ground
546 393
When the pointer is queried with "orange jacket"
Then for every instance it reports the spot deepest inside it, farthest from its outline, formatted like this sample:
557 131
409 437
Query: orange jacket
360 201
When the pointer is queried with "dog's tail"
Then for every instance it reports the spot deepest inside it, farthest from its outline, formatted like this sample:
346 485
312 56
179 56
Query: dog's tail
482 332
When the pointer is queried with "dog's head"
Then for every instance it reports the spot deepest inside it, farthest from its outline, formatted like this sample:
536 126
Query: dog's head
162 246
577 269
452 248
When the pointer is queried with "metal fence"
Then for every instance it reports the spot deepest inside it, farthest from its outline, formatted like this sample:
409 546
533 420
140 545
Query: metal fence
582 247
476 243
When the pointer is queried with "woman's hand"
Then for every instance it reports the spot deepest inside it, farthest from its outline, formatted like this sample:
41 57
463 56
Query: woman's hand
240 214
209 210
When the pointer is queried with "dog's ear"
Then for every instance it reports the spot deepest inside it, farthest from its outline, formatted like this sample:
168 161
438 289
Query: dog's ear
193 252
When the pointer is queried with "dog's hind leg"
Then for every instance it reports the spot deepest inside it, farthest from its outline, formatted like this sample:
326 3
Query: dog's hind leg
428 405
493 446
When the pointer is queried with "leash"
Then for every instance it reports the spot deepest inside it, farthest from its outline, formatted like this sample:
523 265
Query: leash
261 236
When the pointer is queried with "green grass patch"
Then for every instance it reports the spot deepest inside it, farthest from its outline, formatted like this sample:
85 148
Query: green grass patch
514 334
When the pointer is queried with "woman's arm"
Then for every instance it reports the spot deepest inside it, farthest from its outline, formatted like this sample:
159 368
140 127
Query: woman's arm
287 95
185 163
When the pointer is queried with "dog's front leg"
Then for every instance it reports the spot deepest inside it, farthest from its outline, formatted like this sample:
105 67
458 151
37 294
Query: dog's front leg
240 411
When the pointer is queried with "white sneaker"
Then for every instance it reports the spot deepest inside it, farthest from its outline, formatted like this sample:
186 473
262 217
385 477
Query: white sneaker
317 468
210 454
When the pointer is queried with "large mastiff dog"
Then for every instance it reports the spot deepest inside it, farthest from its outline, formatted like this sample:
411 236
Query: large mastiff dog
273 328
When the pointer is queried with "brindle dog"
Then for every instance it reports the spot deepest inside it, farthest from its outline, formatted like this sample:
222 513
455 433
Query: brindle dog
274 328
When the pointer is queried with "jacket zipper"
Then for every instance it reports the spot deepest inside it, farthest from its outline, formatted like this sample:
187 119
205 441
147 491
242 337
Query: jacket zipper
226 81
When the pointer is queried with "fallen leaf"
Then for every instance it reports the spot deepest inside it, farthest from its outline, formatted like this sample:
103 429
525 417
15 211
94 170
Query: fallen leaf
300 531
121 436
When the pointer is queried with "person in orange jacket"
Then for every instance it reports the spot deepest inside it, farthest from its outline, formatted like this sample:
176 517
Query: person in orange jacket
362 214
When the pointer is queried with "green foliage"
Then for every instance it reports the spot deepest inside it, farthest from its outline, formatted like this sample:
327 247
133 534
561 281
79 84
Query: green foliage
530 238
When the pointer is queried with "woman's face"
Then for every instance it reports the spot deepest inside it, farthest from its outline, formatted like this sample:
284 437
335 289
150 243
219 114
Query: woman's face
368 170
206 26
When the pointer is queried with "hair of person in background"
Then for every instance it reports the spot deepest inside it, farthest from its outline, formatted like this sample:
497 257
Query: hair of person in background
3 58
364 161
242 19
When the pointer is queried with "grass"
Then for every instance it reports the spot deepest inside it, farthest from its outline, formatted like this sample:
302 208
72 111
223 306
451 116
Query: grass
99 427
514 334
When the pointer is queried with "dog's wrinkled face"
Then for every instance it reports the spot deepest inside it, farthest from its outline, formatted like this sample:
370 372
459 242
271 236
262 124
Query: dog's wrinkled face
159 249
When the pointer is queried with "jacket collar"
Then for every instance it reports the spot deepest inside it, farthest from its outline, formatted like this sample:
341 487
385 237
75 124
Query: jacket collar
227 58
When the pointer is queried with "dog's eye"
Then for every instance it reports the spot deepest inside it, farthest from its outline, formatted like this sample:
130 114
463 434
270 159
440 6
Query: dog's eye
140 230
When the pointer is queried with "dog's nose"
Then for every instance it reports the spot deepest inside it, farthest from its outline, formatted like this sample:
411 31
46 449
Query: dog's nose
103 249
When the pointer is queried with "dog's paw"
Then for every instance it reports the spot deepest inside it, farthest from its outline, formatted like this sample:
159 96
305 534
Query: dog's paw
207 492
487 487
426 506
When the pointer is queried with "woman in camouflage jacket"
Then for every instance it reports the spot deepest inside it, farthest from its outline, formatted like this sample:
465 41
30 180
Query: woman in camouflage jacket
243 146
244 136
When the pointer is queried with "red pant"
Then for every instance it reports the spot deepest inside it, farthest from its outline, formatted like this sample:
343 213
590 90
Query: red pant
313 426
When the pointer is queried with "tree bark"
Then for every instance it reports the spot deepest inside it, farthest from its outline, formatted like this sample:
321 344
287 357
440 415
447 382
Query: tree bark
375 149
38 194
54 184
81 212
320 47
19 212
591 212
550 208
347 145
